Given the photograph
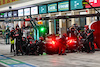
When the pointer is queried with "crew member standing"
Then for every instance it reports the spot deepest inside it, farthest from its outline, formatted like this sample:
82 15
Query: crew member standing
73 34
12 45
18 36
7 35
40 46
62 45
12 32
90 38
12 39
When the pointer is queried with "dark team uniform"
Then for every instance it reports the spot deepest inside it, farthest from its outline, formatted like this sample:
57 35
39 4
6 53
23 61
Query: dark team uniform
62 45
18 36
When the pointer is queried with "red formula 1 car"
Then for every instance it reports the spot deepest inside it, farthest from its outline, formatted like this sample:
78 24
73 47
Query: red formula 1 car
72 44
51 46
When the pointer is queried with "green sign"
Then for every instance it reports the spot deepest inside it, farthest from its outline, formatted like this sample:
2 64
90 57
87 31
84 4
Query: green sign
63 6
2 14
42 9
76 4
52 7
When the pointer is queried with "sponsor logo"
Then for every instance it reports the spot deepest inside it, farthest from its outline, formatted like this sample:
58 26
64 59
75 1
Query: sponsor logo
76 4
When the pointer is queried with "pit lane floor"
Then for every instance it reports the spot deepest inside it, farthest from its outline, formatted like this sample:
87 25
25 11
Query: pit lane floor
69 60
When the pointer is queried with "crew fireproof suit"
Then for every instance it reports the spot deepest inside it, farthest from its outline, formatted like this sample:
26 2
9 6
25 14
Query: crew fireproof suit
18 36
62 45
